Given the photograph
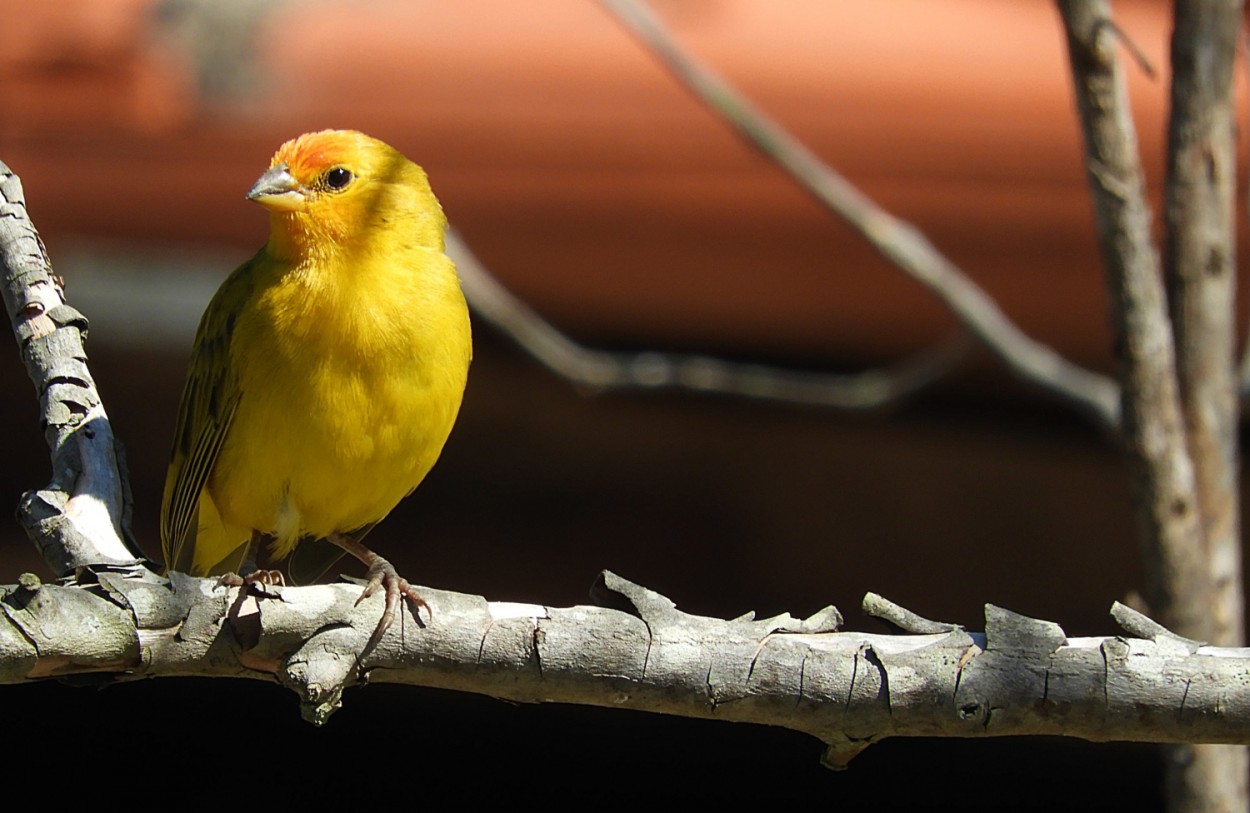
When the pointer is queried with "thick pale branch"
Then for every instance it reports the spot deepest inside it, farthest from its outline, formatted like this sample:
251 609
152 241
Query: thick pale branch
849 689
599 369
897 241
80 518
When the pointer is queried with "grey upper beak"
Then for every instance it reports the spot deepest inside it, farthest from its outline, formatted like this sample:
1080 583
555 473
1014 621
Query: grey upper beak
277 189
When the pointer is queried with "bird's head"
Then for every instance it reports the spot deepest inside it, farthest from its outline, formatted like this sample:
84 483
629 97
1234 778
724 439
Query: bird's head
340 188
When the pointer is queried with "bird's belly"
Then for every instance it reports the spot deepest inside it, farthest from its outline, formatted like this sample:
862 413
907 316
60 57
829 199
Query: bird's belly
329 451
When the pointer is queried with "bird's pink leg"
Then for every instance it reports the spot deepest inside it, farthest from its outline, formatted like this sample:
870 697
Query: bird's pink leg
382 574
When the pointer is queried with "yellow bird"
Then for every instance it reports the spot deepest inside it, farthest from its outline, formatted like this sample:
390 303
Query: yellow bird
326 373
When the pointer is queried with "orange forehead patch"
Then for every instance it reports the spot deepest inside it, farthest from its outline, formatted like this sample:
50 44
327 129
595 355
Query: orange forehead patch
312 153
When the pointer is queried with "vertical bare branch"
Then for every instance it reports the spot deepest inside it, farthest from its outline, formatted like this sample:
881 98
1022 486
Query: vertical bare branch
1153 428
1200 262
1200 265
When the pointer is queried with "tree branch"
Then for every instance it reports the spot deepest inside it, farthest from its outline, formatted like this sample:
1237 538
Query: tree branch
897 241
1201 267
849 689
599 369
1154 431
82 517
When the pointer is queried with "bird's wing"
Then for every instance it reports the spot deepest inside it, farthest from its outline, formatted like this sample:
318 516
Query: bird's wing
209 400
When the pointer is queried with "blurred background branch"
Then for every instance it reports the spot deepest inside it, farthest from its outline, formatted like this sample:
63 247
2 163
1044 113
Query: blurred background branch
901 243
601 370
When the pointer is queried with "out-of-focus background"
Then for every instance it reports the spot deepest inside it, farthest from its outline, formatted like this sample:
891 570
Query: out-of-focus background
594 187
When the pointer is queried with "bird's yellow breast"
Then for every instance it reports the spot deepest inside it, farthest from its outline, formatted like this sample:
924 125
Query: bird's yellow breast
351 373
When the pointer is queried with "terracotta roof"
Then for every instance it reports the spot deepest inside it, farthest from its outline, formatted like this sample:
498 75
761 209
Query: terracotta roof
581 172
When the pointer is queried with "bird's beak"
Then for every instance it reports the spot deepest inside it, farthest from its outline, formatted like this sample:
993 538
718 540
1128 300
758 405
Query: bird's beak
278 191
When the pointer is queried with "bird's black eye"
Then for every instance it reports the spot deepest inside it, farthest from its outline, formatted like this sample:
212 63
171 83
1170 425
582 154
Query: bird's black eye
338 178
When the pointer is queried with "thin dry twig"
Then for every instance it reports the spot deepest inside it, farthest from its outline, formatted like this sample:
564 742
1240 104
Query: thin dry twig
896 240
599 369
1134 50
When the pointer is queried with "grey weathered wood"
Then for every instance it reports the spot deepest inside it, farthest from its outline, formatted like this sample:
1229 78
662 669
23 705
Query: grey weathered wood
81 517
849 689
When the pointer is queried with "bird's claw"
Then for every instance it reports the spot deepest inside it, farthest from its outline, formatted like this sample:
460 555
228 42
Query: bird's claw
258 580
382 574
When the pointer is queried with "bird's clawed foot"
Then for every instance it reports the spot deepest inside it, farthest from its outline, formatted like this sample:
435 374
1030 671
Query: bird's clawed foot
383 574
260 579
253 583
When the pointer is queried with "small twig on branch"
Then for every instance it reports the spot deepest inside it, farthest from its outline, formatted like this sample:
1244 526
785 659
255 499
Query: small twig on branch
1140 625
899 242
902 618
1134 50
599 369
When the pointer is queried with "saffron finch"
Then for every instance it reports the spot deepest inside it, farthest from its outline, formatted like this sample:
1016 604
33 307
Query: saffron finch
326 373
